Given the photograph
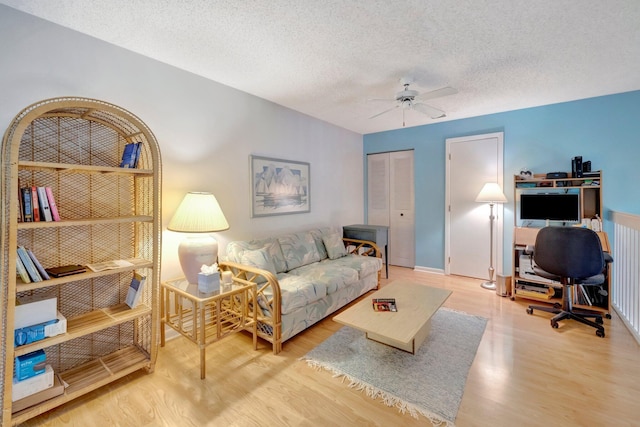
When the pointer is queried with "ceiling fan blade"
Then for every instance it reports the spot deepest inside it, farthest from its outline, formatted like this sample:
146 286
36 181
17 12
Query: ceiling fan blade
385 111
445 91
380 100
430 111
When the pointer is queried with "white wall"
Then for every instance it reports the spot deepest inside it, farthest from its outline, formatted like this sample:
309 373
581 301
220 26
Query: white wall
206 130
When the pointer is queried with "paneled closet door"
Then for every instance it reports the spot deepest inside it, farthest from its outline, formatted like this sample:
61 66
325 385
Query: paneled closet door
391 202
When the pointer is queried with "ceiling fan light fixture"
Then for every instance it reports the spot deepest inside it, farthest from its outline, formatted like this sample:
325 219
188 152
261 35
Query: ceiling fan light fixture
410 99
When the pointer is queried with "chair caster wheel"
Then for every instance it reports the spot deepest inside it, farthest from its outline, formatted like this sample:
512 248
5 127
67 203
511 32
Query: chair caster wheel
599 320
554 325
608 316
600 333
529 310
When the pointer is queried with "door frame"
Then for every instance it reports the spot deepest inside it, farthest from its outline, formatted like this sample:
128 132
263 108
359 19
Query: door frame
498 207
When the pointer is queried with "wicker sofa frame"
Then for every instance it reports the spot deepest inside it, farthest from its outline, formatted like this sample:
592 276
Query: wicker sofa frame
269 294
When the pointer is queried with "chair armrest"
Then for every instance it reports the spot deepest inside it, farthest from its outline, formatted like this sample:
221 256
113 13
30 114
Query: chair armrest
368 248
269 299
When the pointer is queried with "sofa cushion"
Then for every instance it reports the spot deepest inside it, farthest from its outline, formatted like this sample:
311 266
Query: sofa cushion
259 258
299 249
364 265
335 245
332 276
317 234
236 249
298 291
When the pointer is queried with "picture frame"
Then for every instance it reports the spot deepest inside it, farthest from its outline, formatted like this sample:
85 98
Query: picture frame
278 186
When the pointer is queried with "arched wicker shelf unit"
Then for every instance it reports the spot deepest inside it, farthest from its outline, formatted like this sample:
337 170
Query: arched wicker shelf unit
75 145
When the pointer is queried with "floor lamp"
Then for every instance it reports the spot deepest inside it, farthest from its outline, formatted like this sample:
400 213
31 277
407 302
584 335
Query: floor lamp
491 193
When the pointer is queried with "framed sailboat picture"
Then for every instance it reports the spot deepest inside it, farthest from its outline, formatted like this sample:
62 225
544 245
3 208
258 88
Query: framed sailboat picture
279 186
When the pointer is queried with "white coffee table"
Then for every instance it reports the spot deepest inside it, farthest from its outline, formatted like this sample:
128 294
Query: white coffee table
405 329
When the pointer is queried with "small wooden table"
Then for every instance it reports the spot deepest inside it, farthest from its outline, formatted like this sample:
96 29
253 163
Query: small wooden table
205 318
405 329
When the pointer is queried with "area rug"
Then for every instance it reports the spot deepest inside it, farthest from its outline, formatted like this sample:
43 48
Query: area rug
430 383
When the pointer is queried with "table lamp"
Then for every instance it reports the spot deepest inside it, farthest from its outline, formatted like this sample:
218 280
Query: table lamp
198 213
491 193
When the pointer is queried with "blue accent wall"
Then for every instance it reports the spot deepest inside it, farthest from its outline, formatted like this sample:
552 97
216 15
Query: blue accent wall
605 130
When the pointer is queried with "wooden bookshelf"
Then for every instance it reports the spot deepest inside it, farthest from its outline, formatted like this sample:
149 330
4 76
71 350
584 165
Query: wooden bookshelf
74 146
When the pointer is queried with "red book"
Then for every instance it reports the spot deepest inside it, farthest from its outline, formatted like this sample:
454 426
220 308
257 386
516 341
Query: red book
34 203
52 204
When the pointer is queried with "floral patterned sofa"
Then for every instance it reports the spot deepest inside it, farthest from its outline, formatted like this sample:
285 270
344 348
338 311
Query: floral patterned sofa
302 277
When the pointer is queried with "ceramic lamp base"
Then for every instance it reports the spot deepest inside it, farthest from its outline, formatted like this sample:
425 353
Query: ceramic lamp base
194 252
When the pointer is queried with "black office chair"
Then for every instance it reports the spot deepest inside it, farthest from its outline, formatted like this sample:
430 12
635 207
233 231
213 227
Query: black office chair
572 256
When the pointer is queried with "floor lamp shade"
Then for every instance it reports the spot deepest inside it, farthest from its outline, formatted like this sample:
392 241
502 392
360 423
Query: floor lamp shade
198 213
491 193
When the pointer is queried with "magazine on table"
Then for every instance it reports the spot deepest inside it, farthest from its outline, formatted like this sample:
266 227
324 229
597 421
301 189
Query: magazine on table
384 304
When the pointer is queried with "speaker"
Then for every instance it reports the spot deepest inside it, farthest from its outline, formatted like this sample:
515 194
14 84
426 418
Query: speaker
576 167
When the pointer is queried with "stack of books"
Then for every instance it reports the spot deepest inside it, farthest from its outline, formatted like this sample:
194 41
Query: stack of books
37 204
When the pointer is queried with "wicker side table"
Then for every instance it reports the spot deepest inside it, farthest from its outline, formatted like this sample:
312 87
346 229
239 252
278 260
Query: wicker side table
205 318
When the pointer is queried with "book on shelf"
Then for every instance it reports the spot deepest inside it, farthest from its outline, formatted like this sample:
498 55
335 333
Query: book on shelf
22 271
135 289
26 201
65 270
20 206
138 150
52 204
130 155
109 265
39 267
384 304
29 265
586 300
35 205
43 201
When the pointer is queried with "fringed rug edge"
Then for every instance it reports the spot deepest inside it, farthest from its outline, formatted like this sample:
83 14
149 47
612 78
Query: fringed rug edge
375 393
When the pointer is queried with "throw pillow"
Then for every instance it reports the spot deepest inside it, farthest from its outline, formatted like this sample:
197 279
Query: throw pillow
259 258
335 246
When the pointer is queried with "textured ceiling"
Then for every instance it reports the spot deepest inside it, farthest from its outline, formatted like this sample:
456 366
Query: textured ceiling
326 58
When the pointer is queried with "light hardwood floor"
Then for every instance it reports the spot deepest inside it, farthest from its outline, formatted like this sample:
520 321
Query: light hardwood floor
524 374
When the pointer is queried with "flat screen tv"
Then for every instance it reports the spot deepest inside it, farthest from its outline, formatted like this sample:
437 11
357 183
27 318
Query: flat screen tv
550 206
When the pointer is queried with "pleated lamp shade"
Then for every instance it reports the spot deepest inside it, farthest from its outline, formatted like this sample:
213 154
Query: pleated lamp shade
198 213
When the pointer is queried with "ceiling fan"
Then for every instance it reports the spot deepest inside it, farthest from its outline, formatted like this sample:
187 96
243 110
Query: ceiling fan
408 99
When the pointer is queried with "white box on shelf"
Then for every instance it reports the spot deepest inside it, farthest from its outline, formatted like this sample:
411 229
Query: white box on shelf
41 396
24 388
32 310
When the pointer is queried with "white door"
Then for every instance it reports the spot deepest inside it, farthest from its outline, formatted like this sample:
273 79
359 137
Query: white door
472 162
390 197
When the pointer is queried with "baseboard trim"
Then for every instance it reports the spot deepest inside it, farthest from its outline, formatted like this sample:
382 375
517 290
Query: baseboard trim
428 270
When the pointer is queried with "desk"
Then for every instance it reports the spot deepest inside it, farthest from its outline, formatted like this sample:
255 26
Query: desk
526 236
378 234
